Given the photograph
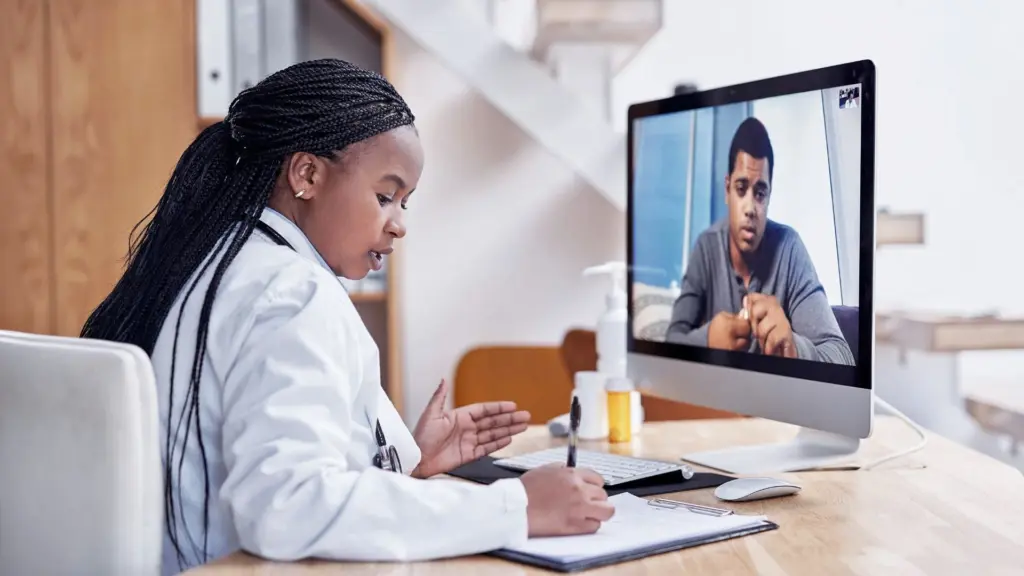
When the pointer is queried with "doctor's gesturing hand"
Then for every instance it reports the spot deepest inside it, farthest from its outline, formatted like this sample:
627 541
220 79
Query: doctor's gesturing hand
450 438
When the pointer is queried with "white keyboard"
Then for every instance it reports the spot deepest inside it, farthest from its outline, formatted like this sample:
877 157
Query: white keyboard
614 468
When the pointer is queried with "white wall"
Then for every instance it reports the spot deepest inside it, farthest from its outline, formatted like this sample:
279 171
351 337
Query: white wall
947 131
514 217
843 131
800 181
499 232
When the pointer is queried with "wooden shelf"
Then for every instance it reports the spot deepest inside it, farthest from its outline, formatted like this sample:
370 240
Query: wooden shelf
997 406
934 332
899 229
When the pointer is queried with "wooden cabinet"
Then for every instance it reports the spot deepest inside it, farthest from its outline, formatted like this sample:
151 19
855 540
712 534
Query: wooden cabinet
122 104
26 267
97 102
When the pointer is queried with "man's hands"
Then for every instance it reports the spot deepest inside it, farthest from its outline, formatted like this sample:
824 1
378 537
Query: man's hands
768 323
762 318
449 438
729 331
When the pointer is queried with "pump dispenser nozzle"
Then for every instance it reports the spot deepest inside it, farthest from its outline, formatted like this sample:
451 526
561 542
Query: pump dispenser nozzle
616 297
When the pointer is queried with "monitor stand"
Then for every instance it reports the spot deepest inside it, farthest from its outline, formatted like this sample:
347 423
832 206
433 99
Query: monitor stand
809 449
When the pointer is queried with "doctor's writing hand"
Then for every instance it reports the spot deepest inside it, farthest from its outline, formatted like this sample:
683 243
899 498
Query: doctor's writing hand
449 438
563 501
770 326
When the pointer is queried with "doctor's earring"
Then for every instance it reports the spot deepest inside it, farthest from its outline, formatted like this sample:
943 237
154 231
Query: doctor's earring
300 193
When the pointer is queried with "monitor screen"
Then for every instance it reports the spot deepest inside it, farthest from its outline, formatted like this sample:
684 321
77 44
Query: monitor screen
745 232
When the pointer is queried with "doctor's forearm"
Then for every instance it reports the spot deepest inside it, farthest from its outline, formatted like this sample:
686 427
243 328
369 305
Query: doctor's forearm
298 480
378 516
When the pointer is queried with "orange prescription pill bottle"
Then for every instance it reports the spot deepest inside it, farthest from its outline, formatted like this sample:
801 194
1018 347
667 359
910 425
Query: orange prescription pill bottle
620 422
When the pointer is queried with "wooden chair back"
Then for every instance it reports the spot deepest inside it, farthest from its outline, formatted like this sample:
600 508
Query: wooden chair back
540 379
579 352
533 377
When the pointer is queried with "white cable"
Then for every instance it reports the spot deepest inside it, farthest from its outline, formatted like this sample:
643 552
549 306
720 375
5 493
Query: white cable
895 412
920 432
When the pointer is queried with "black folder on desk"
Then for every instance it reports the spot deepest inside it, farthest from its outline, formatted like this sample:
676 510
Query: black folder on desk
483 471
637 534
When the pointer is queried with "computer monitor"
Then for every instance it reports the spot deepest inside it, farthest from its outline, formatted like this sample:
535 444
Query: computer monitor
750 246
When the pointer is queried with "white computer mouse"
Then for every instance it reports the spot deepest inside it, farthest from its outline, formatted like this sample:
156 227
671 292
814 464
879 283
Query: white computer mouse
745 489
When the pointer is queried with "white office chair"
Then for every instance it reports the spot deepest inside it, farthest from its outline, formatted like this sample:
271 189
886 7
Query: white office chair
81 489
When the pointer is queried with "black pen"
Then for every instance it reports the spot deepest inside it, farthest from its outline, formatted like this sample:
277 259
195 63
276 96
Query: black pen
574 426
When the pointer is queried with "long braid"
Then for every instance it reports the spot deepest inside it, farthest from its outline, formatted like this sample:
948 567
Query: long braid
210 206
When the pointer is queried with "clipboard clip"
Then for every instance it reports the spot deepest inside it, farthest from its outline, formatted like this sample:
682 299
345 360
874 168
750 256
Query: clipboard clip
695 508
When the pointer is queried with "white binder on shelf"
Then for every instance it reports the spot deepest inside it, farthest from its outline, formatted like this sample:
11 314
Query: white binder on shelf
240 42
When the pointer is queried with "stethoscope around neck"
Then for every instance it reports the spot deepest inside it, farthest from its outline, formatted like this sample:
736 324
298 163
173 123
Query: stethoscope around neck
386 457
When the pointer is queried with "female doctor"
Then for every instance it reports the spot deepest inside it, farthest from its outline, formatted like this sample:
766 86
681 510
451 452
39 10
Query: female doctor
279 439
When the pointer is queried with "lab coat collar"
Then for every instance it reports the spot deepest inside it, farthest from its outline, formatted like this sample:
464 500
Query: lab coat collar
294 235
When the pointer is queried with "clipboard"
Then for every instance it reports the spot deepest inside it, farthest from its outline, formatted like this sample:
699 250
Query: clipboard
483 471
695 528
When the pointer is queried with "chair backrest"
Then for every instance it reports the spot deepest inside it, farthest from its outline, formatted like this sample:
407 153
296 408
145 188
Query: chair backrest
81 490
848 318
579 350
531 376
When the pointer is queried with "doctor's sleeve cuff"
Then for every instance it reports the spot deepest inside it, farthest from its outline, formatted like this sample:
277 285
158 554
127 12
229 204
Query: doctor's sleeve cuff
515 502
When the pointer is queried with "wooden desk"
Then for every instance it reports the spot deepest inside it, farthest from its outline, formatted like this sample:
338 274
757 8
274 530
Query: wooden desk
943 510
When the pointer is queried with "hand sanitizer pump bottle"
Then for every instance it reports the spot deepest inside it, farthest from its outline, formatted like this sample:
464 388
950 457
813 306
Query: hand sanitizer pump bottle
611 326
611 333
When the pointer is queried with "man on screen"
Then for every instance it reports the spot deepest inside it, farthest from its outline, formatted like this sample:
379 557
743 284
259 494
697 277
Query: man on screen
750 284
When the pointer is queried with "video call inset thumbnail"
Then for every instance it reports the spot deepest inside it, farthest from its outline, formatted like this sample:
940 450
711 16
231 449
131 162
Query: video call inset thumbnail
849 97
746 226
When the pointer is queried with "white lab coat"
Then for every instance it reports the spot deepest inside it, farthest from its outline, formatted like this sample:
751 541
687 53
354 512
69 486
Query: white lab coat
290 387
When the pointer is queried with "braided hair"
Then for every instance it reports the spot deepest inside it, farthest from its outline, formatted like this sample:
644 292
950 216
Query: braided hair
221 184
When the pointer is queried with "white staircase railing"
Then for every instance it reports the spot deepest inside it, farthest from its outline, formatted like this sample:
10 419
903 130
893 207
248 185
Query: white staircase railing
547 100
583 43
